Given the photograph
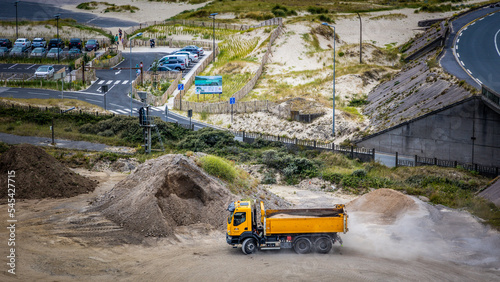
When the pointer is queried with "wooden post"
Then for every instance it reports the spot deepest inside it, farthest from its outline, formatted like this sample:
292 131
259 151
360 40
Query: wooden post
416 158
396 159
352 152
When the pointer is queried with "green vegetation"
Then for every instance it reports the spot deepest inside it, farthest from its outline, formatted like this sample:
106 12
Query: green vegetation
109 7
44 84
218 167
453 187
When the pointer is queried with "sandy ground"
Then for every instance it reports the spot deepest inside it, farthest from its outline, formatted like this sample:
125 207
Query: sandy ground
56 241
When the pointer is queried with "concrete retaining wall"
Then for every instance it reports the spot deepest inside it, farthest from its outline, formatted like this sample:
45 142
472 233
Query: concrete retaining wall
446 134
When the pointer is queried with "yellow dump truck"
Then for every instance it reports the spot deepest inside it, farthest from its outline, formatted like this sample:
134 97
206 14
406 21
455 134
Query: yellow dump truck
304 230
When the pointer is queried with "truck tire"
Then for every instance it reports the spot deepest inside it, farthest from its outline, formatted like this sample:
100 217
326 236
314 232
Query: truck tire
249 246
302 246
323 245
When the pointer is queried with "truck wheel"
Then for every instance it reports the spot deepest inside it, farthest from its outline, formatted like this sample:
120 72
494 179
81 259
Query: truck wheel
249 246
302 246
323 245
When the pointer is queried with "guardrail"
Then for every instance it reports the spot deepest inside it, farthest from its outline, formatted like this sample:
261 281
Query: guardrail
491 98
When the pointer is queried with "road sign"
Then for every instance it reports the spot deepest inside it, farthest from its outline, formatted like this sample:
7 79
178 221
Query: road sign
190 113
180 86
232 100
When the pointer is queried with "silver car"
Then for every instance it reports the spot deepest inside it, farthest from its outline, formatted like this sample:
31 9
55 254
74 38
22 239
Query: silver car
53 53
45 71
38 52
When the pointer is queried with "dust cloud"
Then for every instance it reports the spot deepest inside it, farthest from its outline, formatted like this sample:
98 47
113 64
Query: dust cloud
418 230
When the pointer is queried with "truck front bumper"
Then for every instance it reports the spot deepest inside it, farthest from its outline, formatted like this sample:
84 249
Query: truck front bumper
231 240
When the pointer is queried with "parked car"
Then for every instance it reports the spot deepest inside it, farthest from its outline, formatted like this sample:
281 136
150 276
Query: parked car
23 42
75 43
161 68
53 53
39 42
183 58
45 71
92 44
18 51
192 56
54 42
5 42
38 52
3 51
193 48
173 64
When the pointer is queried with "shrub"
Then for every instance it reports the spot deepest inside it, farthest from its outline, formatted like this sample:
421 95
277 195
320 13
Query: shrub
361 173
269 177
317 10
206 138
218 167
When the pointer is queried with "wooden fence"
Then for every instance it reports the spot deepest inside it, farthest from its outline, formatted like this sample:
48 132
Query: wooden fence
273 21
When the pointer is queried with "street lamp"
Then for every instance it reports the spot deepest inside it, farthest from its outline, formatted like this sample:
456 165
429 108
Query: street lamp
212 16
333 119
57 26
130 44
15 4
360 38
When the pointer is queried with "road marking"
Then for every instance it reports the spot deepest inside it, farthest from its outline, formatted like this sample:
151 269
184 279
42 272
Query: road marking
480 82
70 97
462 63
114 112
469 71
120 106
38 93
118 72
473 23
30 66
98 89
12 66
89 93
465 28
460 34
109 82
458 55
456 47
118 81
100 82
125 82
458 40
122 111
97 101
496 45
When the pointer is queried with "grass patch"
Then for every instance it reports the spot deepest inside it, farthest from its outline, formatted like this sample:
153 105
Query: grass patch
218 167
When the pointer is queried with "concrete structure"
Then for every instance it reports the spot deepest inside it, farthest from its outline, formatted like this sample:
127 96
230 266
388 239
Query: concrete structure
467 131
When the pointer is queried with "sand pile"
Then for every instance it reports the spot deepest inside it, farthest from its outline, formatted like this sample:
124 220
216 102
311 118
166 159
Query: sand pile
389 204
39 175
165 193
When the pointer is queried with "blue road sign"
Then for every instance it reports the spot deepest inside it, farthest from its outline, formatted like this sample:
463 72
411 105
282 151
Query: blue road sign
180 86
232 100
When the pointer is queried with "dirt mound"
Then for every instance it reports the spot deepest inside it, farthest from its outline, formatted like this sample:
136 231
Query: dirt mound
388 203
39 175
165 193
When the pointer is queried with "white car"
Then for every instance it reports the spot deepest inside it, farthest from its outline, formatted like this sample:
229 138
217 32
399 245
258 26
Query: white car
45 71
23 42
39 42
192 56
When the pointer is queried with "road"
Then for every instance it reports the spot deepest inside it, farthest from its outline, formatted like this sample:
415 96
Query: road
477 49
448 60
45 10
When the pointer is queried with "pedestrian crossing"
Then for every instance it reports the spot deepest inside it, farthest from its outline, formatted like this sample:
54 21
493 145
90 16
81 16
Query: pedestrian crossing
134 111
108 82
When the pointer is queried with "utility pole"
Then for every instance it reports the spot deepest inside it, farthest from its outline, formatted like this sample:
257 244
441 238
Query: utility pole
17 34
360 38
131 93
57 26
212 16
333 119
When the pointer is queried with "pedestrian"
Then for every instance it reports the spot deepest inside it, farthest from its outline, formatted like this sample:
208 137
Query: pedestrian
116 40
120 33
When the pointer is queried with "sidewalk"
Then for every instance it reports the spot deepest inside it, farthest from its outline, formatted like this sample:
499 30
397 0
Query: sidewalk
67 144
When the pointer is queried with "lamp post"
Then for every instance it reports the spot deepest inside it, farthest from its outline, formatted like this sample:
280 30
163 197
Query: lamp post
360 38
130 44
212 16
333 119
57 26
15 4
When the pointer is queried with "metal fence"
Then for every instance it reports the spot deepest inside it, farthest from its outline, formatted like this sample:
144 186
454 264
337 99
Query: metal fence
421 161
491 97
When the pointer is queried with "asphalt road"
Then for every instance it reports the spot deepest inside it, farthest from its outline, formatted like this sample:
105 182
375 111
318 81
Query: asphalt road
477 50
44 10
448 60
